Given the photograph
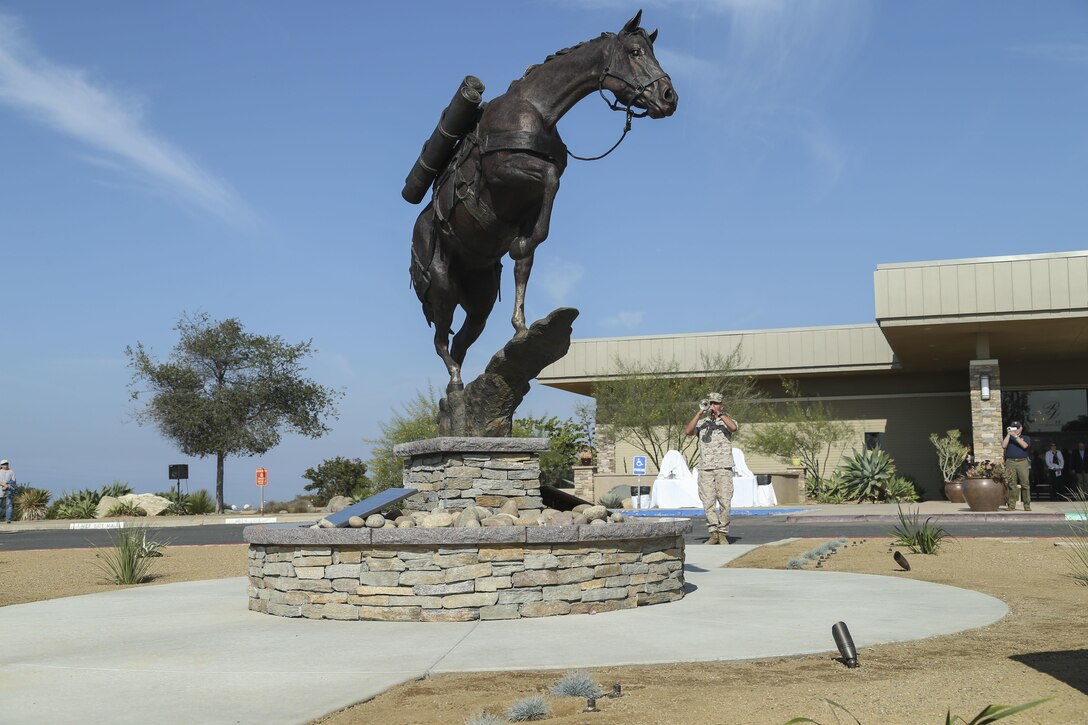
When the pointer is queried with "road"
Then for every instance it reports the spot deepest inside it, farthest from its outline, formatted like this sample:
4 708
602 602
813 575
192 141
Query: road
744 530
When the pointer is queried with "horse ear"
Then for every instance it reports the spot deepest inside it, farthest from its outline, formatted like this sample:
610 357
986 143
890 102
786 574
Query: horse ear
653 36
632 24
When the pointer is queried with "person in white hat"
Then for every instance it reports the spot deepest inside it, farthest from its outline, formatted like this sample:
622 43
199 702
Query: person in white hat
715 430
7 489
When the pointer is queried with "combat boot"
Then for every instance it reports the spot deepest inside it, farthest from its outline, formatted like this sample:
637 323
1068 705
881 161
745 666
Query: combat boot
1027 507
713 538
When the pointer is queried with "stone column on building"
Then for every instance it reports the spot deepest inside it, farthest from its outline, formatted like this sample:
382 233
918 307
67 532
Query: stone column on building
986 414
606 449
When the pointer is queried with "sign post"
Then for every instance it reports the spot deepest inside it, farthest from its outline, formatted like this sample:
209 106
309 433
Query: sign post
639 468
262 481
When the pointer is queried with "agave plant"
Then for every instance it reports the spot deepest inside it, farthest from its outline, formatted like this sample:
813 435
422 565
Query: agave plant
867 474
902 488
126 509
200 502
76 505
117 489
31 504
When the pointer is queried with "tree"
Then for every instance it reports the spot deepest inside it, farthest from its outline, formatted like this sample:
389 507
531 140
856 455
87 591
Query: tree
805 429
417 420
556 463
225 392
650 405
338 477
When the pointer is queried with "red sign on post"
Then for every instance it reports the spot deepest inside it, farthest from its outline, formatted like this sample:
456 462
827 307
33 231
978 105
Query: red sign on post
262 476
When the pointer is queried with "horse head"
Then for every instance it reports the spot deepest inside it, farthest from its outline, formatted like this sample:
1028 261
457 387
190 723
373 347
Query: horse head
633 74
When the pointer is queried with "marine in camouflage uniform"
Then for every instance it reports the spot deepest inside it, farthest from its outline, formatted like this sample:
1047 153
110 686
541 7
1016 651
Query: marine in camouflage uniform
715 430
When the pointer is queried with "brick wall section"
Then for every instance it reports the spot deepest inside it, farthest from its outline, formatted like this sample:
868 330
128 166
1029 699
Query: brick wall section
605 444
460 582
986 423
583 482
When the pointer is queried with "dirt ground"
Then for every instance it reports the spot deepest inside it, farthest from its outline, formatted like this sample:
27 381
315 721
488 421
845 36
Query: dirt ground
1040 650
30 576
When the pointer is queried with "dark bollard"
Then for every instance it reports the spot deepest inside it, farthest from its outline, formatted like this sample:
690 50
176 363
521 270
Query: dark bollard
845 644
591 704
901 561
616 690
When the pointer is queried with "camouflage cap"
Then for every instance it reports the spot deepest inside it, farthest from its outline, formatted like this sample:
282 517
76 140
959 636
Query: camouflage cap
714 398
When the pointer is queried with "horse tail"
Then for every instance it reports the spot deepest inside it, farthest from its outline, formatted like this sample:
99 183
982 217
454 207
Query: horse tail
424 245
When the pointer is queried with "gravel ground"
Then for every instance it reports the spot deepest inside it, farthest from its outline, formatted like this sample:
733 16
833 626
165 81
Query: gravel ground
1039 651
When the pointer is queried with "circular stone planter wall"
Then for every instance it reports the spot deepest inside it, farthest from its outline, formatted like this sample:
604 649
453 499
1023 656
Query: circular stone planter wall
464 574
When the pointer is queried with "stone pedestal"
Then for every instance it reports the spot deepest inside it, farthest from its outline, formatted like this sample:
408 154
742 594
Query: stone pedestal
583 482
453 472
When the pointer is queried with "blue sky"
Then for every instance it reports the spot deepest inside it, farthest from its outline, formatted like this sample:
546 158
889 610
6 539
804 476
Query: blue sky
245 159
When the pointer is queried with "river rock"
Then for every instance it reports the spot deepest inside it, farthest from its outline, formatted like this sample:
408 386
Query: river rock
501 520
437 521
406 522
356 522
580 520
596 512
467 519
510 507
598 522
616 518
375 521
581 507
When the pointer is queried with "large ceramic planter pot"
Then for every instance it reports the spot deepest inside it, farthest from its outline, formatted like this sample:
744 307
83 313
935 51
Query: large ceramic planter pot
953 491
983 494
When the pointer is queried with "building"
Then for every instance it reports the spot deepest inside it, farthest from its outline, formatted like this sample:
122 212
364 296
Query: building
961 343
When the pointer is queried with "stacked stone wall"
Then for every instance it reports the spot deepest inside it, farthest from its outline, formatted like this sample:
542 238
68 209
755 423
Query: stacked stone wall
579 570
457 480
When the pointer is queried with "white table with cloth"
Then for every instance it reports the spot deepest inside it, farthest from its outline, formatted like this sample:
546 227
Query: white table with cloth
677 487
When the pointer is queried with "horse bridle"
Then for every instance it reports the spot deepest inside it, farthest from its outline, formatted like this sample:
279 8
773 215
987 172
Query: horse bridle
640 84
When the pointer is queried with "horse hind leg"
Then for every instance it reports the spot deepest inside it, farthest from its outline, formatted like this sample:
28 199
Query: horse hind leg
477 305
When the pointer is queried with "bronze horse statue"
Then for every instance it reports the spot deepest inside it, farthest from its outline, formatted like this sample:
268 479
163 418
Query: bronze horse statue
496 194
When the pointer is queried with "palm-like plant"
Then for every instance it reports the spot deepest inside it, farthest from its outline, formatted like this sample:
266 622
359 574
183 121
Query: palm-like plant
867 474
31 504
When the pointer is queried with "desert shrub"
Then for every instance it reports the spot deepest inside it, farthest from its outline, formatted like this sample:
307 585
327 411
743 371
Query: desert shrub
611 501
126 509
576 684
951 453
117 489
531 708
986 716
485 718
902 489
919 538
1076 545
796 564
866 474
177 507
200 502
75 505
127 561
31 504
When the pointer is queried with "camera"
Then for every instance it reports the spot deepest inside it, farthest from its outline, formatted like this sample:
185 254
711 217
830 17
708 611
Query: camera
1011 428
704 405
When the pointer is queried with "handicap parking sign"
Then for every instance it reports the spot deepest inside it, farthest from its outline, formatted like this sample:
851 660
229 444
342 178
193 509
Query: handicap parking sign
640 465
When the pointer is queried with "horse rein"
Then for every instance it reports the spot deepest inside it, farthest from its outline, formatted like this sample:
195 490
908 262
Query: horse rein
637 85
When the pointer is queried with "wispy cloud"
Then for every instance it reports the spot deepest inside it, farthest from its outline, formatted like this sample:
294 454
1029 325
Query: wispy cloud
1056 52
557 277
627 319
67 100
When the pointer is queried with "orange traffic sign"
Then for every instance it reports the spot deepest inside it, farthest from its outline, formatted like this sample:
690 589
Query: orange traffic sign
262 476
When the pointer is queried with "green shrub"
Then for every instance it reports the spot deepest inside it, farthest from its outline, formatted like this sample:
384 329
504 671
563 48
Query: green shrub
576 684
920 538
31 504
611 501
902 488
986 716
75 505
201 502
126 509
531 708
127 561
830 490
951 453
117 489
866 474
177 507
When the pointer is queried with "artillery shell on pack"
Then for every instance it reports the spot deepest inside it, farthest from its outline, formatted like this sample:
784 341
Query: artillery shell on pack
456 120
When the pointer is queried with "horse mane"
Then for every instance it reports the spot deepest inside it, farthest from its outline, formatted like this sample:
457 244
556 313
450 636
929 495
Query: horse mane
556 54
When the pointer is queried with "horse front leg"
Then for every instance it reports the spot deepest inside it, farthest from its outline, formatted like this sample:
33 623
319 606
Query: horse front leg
524 245
522 268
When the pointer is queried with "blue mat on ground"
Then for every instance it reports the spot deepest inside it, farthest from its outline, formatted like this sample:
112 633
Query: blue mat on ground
699 512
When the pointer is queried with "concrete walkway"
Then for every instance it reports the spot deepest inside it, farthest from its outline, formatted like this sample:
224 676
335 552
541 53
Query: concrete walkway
192 652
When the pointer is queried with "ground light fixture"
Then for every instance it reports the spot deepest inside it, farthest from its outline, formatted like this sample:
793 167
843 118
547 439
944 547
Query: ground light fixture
617 691
901 560
845 643
591 704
